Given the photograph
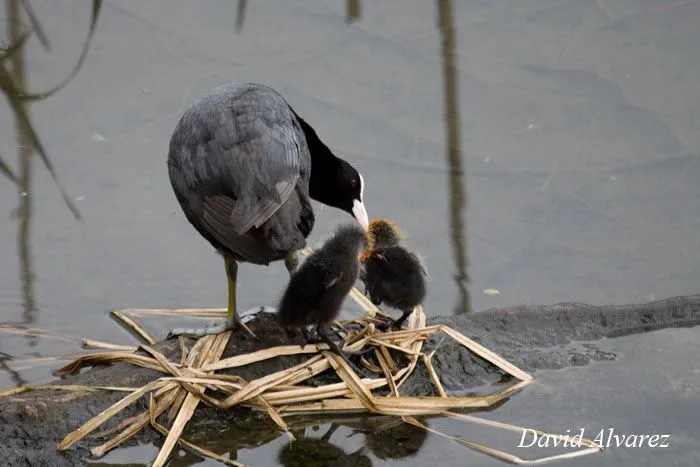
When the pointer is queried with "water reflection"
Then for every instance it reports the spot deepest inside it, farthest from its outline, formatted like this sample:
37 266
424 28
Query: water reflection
588 87
353 10
14 374
13 83
457 191
240 15
384 437
24 178
395 439
307 451
346 440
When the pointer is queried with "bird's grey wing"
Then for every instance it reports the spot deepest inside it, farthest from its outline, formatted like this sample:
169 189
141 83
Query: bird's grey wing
216 219
269 148
265 207
240 154
266 169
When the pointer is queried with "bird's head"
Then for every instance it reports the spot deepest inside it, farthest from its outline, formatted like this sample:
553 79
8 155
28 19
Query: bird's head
384 233
351 187
333 181
340 185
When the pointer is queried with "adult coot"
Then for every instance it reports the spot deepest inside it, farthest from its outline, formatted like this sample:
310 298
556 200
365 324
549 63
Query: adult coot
244 166
316 291
392 274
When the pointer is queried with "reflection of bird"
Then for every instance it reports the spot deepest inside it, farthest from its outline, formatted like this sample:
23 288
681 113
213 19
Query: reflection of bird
316 452
392 274
317 289
399 441
320 452
243 165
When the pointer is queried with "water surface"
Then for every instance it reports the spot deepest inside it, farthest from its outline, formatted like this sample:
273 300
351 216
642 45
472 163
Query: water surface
580 140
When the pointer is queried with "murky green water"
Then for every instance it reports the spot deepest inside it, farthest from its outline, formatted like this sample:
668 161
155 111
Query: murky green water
580 131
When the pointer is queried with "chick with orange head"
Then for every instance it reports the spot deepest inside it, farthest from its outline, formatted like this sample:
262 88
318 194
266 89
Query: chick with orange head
393 275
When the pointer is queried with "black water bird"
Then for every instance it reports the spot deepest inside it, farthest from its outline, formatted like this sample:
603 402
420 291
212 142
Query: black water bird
392 274
244 167
317 289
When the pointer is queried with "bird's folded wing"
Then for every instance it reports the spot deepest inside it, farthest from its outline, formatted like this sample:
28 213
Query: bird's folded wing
216 219
248 214
267 169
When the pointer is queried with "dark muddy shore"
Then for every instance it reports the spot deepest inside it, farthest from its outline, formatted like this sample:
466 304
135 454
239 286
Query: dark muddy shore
532 337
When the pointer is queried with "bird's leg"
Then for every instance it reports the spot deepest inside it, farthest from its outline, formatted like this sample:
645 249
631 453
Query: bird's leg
291 262
386 321
232 319
308 338
384 326
406 313
323 330
307 335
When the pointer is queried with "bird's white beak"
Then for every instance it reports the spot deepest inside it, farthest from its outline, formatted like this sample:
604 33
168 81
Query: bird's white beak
360 213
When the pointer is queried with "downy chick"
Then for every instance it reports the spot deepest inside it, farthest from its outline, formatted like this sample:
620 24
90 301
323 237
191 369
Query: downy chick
392 274
318 288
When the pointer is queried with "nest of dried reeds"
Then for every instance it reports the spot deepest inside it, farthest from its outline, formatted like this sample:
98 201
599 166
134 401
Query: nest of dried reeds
194 379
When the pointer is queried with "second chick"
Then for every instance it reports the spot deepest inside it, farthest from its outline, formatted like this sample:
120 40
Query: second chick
392 274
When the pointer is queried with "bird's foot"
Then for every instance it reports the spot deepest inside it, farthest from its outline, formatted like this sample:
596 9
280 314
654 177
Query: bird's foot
313 337
386 326
345 355
250 314
358 353
210 330
323 331
309 338
398 323
394 323
318 340
248 330
383 323
201 332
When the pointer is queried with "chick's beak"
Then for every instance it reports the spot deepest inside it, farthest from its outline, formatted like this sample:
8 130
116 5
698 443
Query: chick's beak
360 213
